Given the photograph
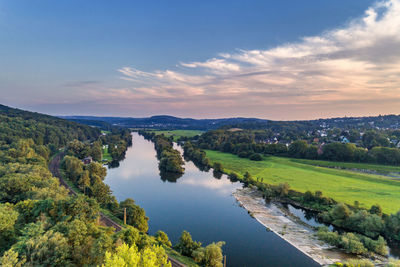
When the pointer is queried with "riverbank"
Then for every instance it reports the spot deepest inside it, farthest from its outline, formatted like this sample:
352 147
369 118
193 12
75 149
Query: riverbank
298 235
341 185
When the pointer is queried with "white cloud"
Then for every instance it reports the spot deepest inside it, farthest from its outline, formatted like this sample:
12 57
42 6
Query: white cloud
359 62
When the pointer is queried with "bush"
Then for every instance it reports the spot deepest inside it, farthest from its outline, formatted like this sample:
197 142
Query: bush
186 245
358 263
218 167
353 243
255 157
162 239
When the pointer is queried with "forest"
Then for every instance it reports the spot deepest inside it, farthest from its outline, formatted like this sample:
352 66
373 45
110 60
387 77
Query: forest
43 224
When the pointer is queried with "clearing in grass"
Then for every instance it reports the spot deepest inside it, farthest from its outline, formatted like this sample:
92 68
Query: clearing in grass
342 185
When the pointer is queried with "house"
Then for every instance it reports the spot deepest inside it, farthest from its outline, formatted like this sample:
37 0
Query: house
344 140
87 160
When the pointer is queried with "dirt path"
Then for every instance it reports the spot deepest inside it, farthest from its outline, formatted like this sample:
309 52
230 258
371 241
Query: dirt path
54 167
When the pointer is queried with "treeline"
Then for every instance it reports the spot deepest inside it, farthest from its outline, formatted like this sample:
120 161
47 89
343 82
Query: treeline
117 141
353 243
345 152
42 129
40 223
170 160
196 155
243 144
89 179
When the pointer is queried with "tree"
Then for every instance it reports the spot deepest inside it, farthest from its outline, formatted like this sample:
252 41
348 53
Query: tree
129 256
298 149
84 181
255 157
372 138
49 249
8 218
96 171
186 245
96 152
73 167
162 238
213 254
376 209
135 215
10 259
283 189
218 167
247 177
102 193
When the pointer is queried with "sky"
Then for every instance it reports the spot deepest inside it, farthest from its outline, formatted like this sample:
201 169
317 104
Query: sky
280 60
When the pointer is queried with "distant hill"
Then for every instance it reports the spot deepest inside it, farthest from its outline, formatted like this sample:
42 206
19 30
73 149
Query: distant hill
167 122
170 122
41 128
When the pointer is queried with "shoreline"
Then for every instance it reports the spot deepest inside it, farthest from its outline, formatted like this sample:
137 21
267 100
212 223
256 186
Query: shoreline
298 235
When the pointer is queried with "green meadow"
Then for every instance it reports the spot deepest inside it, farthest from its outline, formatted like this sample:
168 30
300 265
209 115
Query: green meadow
342 185
105 154
179 133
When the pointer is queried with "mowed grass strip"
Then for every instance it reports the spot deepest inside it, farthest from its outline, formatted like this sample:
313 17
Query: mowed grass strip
341 185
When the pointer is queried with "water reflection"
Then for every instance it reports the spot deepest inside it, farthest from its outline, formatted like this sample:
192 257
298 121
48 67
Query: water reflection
308 217
201 204
170 176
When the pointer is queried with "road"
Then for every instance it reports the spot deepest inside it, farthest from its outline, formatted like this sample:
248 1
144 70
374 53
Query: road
54 167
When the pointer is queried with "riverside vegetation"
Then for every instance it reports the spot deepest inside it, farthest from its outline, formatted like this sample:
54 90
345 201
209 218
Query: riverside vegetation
41 224
368 225
170 160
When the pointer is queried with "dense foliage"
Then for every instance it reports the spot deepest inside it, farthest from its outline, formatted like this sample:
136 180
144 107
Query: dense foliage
197 155
130 256
170 160
209 256
41 224
373 147
42 129
353 243
369 228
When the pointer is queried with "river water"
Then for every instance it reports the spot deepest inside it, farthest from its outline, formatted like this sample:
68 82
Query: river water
201 204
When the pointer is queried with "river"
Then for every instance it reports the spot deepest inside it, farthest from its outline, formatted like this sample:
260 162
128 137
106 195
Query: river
201 204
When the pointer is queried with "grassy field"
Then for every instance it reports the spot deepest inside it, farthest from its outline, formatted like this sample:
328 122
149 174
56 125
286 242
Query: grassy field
178 133
105 155
341 185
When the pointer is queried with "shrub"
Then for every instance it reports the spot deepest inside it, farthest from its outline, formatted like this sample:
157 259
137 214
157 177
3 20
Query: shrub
255 157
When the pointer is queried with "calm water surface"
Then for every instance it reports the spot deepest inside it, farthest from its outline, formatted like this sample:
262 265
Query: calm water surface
201 204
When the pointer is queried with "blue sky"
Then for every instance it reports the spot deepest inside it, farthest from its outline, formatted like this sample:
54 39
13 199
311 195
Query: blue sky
184 58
